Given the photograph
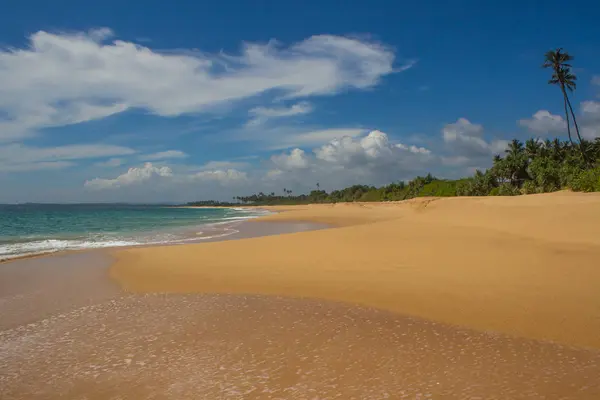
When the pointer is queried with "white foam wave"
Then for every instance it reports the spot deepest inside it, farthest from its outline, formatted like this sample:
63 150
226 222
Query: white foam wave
227 233
15 250
238 218
46 246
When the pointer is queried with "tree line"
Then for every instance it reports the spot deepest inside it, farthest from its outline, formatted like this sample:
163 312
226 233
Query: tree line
536 166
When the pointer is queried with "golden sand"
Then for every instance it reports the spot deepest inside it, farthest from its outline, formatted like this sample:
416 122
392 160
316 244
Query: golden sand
528 265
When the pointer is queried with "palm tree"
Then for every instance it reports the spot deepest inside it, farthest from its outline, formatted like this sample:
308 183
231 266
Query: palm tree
515 148
557 150
563 77
532 148
597 148
515 163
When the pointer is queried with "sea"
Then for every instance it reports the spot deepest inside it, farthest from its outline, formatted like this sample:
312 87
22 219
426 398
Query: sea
32 229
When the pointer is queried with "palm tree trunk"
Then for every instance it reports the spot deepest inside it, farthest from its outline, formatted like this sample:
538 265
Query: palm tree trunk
585 158
574 119
567 114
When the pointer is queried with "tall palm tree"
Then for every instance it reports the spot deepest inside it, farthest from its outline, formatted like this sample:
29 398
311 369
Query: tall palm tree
565 79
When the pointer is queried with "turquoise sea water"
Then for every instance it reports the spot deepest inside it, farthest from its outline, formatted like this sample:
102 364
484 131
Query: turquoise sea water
43 228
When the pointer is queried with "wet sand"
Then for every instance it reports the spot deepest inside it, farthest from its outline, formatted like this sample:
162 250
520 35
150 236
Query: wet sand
261 347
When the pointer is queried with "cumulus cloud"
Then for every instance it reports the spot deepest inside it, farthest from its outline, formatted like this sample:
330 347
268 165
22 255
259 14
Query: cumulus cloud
464 138
164 155
414 149
295 160
261 114
133 176
373 150
590 119
19 157
152 173
224 177
63 79
345 160
544 123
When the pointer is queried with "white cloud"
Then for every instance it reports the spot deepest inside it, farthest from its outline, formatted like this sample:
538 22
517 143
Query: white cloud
590 107
374 150
453 161
590 119
212 165
64 79
414 149
164 155
596 80
25 118
544 123
22 153
131 177
283 140
224 177
35 166
18 157
274 174
295 160
152 173
371 158
261 114
112 162
465 138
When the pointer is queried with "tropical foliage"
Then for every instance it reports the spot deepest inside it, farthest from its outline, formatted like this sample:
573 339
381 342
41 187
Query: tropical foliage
525 168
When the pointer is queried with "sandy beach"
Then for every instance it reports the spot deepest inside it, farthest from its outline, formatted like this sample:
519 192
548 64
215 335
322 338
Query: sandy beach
527 266
458 298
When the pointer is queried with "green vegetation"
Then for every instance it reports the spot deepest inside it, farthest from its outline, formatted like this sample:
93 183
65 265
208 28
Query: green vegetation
525 168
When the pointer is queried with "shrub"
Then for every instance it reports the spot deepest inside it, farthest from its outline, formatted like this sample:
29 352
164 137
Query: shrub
529 188
440 188
587 181
506 189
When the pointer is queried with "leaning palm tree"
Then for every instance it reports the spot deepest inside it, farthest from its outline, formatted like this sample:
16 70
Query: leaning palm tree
565 79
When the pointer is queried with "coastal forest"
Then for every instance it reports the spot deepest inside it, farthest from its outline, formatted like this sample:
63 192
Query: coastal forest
535 166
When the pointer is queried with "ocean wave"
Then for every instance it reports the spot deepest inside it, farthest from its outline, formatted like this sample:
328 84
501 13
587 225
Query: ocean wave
210 228
14 250
238 218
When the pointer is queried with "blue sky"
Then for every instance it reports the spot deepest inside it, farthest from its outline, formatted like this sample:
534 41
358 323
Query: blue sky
150 101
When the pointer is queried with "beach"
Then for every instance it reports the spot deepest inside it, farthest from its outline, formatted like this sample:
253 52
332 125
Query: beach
453 298
526 265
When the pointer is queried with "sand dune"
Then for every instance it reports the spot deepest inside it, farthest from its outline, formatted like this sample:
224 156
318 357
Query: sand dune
527 265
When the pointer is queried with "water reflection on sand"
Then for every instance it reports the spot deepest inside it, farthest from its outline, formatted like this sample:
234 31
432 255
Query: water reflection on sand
260 347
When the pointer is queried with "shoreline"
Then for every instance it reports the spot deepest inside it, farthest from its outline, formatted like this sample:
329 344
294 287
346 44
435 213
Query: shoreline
191 239
491 264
